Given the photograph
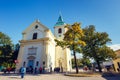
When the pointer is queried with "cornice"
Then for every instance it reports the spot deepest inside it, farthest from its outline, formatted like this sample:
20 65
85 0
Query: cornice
46 30
35 40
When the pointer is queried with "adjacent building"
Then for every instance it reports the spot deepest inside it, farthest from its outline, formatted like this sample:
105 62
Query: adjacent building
116 62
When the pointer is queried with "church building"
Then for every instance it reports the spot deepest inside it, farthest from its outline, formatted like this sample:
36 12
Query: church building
38 48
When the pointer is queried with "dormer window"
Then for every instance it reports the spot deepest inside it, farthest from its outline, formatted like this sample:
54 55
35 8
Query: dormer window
59 30
35 36
36 26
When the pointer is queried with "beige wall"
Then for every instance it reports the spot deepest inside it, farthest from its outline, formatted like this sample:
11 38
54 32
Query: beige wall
116 61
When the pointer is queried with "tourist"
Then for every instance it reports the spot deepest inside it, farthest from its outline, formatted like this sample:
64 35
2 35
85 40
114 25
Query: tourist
22 71
40 70
35 70
31 69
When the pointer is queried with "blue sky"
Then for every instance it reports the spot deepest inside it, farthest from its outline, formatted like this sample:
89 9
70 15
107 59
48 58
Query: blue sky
17 15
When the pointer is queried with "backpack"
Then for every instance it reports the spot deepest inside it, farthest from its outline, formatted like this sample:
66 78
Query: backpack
22 70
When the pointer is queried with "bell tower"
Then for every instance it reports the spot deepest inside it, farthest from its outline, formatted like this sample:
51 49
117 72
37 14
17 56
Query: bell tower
59 29
62 56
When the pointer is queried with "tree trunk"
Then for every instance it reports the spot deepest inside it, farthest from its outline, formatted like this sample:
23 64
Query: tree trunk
76 66
99 67
97 61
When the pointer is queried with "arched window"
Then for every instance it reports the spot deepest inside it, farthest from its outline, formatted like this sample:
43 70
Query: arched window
35 36
59 30
43 62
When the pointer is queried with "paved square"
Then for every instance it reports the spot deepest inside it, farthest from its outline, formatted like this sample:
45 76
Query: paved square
52 77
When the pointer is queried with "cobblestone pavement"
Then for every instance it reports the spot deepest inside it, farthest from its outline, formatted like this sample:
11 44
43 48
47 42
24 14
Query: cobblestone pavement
53 77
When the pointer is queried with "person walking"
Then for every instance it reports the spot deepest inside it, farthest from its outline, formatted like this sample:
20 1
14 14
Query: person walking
22 71
35 71
40 70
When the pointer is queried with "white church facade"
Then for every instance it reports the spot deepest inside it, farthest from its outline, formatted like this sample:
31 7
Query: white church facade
38 48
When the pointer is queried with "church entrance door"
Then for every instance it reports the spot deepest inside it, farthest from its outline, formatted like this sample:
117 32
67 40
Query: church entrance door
30 63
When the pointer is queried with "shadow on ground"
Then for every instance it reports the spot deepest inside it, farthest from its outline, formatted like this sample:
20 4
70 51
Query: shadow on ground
111 76
17 74
15 77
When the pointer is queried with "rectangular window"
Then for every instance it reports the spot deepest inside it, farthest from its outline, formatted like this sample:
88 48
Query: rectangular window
32 51
43 62
37 63
35 36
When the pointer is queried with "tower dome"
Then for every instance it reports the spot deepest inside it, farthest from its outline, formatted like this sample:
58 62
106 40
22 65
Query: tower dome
60 21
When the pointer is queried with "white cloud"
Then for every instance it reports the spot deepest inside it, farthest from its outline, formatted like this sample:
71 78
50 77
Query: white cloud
115 47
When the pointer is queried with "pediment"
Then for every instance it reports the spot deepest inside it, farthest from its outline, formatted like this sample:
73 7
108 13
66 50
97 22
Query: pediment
35 26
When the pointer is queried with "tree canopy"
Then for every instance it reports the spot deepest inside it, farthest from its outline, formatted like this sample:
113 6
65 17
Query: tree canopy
5 39
96 47
6 48
5 45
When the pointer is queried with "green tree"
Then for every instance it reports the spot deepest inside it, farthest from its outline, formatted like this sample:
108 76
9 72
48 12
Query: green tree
7 51
79 62
96 45
5 39
5 47
85 61
72 40
15 52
